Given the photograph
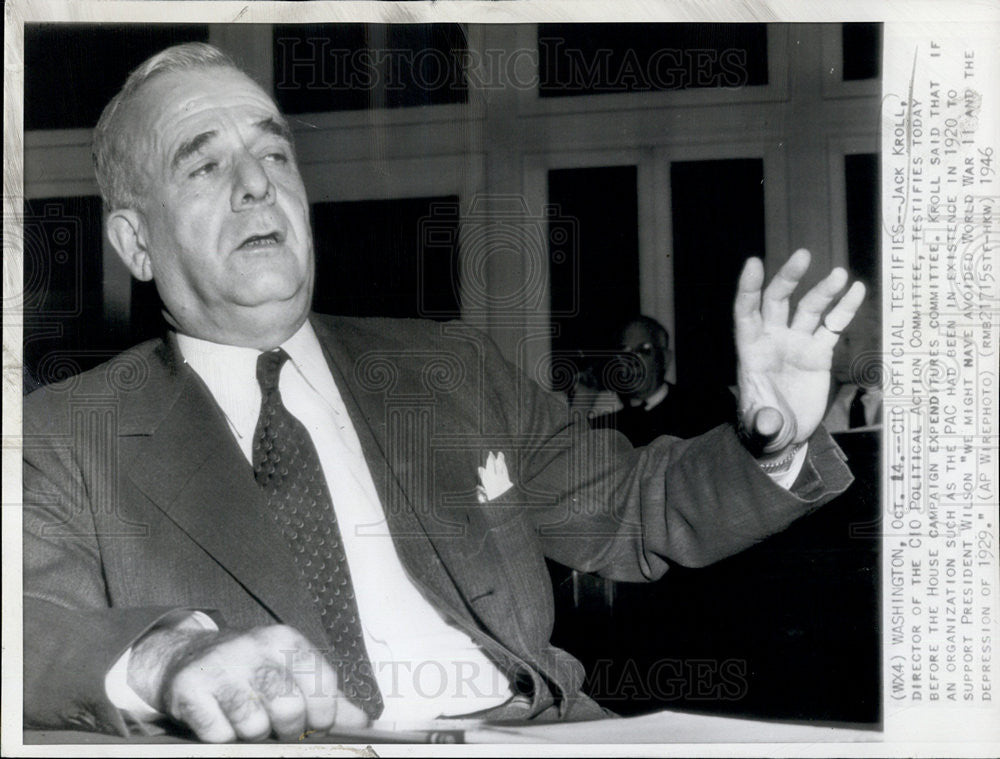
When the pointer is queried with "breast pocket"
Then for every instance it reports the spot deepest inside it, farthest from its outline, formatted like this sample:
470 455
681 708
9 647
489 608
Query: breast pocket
507 538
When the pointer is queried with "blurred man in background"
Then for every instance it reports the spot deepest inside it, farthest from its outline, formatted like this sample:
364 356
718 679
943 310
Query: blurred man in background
652 406
856 387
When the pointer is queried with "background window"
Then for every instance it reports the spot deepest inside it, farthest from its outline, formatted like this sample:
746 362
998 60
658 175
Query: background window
591 59
63 293
347 67
718 222
372 260
862 182
862 51
593 297
95 59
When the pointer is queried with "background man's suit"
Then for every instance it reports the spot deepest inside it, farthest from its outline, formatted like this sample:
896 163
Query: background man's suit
685 412
138 501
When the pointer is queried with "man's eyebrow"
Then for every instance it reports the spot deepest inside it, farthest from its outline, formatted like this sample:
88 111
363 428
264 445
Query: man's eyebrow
190 147
268 125
274 126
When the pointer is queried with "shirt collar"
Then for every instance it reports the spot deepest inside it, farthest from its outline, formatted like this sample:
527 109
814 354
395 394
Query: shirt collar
230 372
206 357
875 393
307 355
872 394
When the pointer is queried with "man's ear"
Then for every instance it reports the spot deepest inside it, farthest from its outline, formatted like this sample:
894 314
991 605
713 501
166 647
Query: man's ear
126 229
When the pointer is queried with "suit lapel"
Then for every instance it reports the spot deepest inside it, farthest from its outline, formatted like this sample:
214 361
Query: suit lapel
192 469
458 566
432 550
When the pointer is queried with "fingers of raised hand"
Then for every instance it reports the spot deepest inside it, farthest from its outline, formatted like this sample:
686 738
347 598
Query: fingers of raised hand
267 680
840 315
817 300
746 307
774 307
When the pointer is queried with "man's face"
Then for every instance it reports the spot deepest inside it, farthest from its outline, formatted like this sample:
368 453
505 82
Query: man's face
649 360
224 218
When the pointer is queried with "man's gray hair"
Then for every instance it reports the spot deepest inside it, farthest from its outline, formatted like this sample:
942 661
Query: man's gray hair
114 147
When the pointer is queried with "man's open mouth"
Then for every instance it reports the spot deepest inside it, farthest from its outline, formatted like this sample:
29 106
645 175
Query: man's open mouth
263 240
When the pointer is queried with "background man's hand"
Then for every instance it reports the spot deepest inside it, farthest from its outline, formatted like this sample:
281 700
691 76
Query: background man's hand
247 685
784 368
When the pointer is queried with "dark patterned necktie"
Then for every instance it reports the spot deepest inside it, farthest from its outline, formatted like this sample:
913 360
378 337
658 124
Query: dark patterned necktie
287 468
856 412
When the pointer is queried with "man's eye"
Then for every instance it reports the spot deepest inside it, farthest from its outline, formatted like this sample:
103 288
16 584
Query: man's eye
277 156
204 169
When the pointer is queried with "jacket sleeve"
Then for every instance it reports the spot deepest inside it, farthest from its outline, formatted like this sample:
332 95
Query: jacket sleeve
600 505
71 635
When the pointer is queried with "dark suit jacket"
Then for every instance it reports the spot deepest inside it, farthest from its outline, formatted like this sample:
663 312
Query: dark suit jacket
137 500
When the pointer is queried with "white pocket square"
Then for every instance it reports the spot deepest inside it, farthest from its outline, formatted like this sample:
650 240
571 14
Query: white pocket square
493 478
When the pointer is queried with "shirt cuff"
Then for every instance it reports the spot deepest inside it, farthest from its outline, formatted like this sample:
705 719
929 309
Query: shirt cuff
787 478
116 686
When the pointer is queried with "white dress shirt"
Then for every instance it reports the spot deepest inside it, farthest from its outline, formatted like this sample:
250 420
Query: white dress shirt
658 397
425 667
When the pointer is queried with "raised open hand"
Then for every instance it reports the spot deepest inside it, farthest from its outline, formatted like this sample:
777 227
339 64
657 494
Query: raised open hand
784 369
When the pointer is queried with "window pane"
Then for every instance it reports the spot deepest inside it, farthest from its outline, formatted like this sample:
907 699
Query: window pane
862 51
71 71
718 221
345 67
861 179
591 59
372 260
63 290
146 311
598 290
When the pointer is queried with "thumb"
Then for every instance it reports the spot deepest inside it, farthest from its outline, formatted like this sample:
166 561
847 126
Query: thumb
769 431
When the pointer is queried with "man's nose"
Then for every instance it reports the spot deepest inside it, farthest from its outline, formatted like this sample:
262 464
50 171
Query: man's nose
251 184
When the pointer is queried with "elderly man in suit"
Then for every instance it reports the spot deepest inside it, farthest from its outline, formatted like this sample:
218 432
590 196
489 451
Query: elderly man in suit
269 521
652 406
